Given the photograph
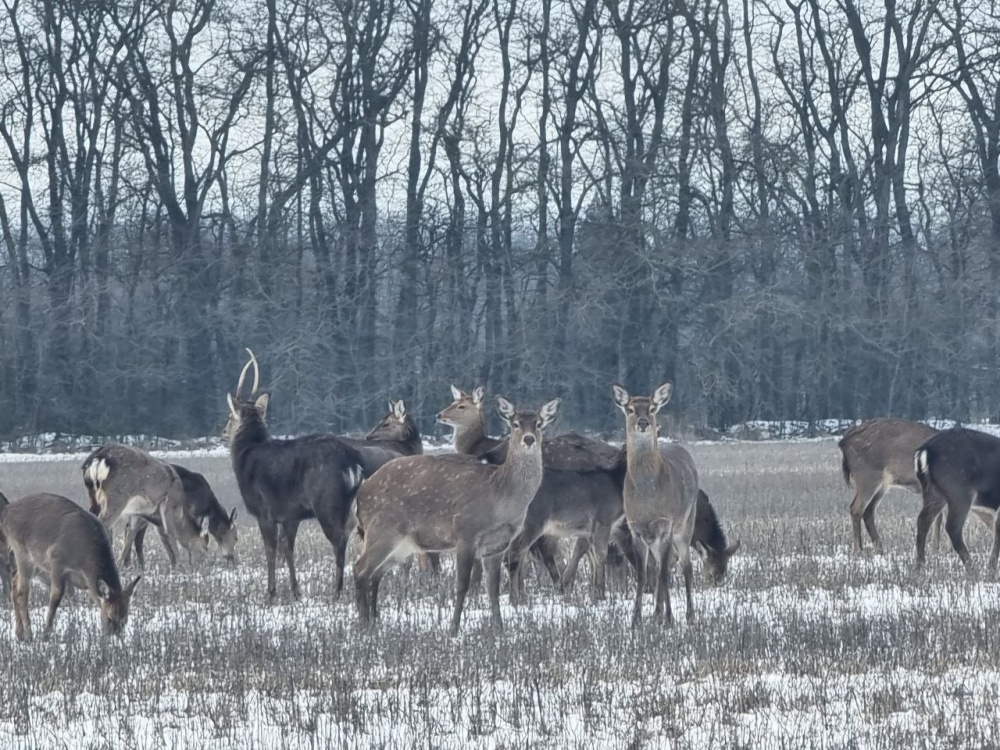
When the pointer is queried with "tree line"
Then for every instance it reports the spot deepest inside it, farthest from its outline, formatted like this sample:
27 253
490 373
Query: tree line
790 209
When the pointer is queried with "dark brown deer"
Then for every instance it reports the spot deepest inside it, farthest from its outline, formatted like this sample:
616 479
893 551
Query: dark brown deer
125 482
53 534
203 515
443 503
395 435
875 456
959 469
661 496
285 482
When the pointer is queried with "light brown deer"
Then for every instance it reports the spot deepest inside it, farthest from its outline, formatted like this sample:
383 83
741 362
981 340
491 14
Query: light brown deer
875 456
661 494
443 503
53 534
123 481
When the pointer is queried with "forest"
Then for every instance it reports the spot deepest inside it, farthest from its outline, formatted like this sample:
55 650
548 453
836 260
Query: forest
790 208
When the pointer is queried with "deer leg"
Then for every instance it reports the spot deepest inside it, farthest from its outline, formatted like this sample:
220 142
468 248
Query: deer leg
640 588
622 536
477 575
546 549
933 505
869 518
580 548
434 560
936 530
20 593
530 532
957 513
336 534
269 535
168 544
129 541
491 565
599 550
465 557
665 560
291 531
684 557
56 590
127 551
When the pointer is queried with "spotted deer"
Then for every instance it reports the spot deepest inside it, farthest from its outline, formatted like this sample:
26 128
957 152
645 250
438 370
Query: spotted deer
453 502
52 534
661 495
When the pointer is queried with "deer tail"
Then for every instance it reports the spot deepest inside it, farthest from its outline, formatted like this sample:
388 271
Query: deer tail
922 467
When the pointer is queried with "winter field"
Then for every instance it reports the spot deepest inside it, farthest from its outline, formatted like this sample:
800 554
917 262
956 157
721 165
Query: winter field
806 645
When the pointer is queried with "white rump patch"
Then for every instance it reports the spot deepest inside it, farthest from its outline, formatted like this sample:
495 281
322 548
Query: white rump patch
920 462
97 471
353 477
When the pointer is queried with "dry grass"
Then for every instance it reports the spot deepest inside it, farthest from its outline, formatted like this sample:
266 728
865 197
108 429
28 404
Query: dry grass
806 645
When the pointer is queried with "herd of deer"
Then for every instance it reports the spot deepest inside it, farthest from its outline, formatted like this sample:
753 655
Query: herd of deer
489 503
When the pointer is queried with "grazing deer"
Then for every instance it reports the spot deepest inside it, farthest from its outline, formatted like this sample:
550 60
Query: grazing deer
710 540
661 495
203 515
959 469
454 502
57 536
876 456
285 482
126 482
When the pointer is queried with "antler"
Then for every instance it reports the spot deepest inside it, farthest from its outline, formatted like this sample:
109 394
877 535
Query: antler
243 375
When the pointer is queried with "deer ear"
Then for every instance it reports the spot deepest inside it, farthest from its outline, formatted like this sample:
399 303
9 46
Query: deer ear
261 404
102 589
621 396
478 395
548 412
733 548
505 407
204 526
456 394
130 589
232 405
232 516
662 395
399 410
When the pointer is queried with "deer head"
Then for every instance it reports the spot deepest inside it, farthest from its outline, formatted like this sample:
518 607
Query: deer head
394 426
243 410
640 411
526 427
114 606
464 410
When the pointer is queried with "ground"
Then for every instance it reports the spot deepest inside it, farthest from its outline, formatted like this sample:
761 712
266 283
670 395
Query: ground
806 645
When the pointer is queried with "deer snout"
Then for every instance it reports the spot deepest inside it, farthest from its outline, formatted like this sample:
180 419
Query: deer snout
529 441
642 424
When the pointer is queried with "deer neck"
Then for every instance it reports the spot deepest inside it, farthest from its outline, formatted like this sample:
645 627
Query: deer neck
467 437
517 479
645 464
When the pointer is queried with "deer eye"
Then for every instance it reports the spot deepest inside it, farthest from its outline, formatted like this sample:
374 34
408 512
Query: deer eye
461 406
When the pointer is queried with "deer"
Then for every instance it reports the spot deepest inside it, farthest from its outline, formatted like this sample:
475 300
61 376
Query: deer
959 469
450 503
54 535
875 456
285 482
204 515
125 482
660 496
466 416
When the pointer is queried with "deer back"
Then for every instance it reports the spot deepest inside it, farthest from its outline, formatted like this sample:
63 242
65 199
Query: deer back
58 536
963 464
121 479
881 447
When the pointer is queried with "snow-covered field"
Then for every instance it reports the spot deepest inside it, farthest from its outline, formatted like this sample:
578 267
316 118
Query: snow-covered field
806 645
